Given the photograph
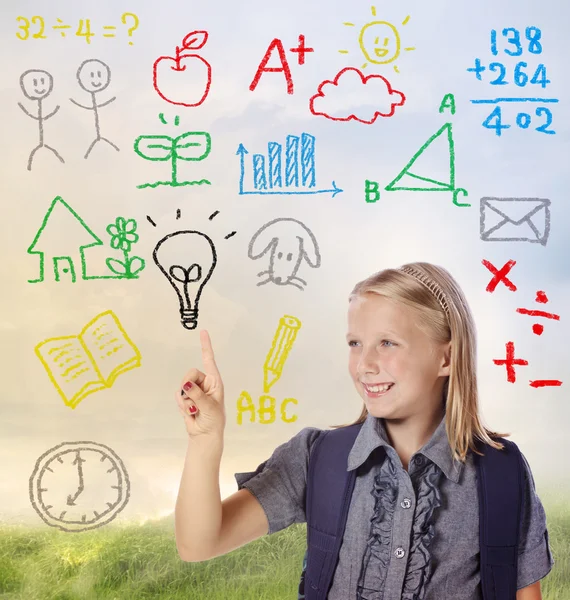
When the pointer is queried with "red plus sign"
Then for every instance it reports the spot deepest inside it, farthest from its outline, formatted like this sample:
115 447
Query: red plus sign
301 49
510 362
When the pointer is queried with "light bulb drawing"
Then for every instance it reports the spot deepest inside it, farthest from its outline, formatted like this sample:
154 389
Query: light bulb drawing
187 259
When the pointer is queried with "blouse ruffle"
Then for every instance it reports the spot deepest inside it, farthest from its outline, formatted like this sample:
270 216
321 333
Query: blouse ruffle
423 530
377 556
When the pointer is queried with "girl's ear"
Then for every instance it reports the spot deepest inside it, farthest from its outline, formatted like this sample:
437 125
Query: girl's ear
446 366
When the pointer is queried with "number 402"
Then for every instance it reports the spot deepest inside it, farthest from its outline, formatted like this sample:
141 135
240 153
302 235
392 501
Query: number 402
523 120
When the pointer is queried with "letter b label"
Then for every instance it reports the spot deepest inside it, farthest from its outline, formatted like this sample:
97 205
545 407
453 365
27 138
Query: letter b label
371 191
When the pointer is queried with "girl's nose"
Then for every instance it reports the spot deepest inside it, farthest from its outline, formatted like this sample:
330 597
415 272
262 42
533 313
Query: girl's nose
368 363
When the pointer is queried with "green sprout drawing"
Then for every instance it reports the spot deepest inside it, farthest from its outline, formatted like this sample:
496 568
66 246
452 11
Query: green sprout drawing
123 236
191 146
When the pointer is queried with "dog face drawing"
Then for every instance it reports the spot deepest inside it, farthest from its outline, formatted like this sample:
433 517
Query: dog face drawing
287 242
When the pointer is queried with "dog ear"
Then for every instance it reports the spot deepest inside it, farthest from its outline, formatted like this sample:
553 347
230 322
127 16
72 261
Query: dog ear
261 242
309 248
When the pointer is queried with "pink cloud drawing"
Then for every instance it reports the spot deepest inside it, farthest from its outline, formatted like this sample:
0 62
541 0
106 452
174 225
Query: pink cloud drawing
373 90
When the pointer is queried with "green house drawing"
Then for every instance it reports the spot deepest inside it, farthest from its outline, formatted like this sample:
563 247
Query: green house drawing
64 266
66 261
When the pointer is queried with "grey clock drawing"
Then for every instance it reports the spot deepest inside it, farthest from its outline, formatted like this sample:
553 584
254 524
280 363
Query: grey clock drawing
77 486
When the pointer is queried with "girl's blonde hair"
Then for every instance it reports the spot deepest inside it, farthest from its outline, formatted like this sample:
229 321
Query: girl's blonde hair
443 314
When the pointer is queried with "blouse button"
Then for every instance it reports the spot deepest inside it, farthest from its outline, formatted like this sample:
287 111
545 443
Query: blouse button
406 503
399 552
419 460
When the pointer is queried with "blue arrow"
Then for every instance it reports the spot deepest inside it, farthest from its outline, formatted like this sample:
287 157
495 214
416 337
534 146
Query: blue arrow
335 190
242 152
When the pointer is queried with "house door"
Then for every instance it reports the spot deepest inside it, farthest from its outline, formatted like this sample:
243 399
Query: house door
63 268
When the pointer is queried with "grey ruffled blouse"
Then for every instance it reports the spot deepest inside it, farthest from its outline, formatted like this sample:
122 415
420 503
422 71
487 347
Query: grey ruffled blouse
410 535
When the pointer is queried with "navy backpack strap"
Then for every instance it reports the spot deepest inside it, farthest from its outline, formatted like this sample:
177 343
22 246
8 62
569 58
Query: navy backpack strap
329 490
500 488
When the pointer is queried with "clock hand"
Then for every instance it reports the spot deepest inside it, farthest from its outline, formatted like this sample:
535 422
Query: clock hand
79 462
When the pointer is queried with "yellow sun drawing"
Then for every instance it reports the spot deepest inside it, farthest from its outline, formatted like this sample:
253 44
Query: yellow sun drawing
379 41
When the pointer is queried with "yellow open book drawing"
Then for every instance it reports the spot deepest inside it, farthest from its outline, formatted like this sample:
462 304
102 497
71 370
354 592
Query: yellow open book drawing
79 365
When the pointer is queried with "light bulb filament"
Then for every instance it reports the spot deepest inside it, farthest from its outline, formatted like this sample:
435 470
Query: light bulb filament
183 275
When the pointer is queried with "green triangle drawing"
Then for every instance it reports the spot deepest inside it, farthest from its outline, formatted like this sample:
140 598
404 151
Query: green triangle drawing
413 177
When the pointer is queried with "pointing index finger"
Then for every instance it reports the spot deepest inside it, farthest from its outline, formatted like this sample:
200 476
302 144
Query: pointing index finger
208 353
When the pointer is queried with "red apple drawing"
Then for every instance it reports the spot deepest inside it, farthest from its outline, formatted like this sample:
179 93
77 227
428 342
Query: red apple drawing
184 79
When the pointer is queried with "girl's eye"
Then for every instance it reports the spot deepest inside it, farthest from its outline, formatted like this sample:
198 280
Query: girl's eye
352 343
388 342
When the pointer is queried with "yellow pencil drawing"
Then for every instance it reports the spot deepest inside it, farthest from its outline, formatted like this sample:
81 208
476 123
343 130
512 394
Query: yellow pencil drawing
280 347
79 365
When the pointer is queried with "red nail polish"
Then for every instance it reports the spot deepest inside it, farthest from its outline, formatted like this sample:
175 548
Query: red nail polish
187 385
193 409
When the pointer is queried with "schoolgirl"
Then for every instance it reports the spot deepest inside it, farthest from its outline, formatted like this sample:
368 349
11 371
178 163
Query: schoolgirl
412 528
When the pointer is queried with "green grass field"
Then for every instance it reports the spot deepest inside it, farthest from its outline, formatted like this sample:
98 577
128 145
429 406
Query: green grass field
140 561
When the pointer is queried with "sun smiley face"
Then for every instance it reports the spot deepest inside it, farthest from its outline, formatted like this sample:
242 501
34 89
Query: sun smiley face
379 42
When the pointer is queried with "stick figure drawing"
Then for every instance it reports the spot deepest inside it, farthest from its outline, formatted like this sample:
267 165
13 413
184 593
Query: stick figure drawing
94 76
37 85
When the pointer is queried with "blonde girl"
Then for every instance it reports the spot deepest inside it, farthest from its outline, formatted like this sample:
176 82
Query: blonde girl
412 531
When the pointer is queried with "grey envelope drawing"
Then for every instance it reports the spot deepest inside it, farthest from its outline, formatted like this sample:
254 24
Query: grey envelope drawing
515 220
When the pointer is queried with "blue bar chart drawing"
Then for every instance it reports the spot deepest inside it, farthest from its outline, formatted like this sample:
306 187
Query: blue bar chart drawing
296 176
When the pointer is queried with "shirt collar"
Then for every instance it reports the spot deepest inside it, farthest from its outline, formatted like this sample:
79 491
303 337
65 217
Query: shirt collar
373 435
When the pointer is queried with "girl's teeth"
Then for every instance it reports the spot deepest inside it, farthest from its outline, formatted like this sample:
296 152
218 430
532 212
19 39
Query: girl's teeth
377 388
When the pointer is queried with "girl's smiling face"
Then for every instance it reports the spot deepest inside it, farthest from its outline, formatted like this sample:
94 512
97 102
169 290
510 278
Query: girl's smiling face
387 347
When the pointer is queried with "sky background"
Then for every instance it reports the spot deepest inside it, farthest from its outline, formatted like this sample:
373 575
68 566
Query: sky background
137 417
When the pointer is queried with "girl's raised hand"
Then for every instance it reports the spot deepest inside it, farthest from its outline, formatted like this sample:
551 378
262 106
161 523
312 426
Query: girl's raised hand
201 396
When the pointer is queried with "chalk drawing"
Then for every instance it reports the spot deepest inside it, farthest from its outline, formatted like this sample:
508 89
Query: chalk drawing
94 76
80 365
287 243
414 178
297 176
515 220
78 486
122 237
37 85
380 42
185 78
187 259
190 146
37 22
277 45
282 344
375 94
